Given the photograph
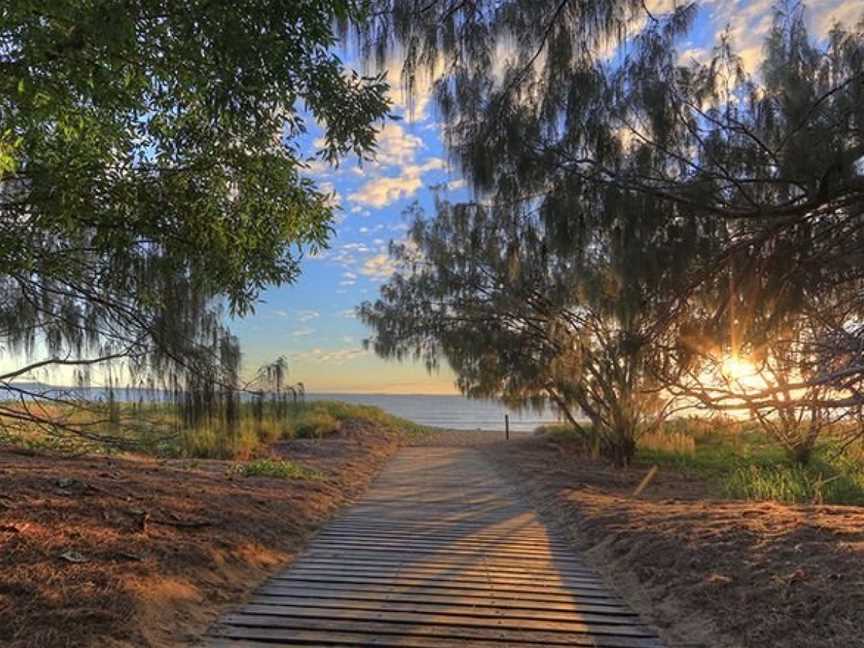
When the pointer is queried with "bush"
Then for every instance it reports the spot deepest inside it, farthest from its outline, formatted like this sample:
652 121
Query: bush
316 425
275 468
211 442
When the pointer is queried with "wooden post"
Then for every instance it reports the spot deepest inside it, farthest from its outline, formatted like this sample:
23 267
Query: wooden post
507 427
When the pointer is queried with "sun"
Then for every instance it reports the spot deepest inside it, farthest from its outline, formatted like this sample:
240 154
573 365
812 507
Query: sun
742 372
737 368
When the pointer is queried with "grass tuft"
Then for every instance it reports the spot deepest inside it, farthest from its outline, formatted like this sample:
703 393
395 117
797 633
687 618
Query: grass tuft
274 468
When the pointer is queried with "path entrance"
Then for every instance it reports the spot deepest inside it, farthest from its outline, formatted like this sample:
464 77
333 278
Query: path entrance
438 553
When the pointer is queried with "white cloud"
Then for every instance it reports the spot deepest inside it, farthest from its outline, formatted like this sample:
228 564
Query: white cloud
331 356
348 313
749 21
385 190
307 315
416 106
302 332
395 147
378 267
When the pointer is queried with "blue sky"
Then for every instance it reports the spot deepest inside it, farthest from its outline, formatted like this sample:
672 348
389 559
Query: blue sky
312 322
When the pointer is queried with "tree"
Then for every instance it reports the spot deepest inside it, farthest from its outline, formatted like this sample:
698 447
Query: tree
772 165
149 172
530 314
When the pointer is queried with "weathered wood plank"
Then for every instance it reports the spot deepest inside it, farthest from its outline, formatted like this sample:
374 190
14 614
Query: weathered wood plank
332 549
395 617
288 628
445 562
443 534
314 638
573 605
471 574
271 588
455 582
457 543
287 605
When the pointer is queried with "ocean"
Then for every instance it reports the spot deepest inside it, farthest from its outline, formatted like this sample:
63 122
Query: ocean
451 412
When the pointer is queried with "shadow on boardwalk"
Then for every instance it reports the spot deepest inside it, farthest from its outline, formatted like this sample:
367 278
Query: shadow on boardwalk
438 553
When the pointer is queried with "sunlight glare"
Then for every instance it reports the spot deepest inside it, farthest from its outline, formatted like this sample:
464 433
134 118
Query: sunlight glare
742 371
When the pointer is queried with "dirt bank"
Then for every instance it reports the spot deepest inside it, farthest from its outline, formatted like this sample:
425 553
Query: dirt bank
706 572
117 552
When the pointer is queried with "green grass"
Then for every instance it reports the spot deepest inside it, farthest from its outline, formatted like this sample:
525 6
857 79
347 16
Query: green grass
742 463
738 461
274 468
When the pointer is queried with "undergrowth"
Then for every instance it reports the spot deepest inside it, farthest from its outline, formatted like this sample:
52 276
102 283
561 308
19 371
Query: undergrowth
738 461
275 468
156 429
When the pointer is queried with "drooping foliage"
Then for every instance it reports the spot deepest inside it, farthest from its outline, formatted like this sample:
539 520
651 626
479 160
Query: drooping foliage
573 109
523 315
149 173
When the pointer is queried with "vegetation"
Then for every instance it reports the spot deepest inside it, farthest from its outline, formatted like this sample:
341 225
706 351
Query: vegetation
149 174
739 461
160 430
274 468
636 220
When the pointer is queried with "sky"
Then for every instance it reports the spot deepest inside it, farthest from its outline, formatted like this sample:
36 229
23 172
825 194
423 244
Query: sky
312 322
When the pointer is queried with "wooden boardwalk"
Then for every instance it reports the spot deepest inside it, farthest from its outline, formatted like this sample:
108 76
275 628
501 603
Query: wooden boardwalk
438 553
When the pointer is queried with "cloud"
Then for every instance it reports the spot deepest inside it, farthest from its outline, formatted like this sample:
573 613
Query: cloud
414 105
331 356
348 313
385 190
307 315
348 279
395 147
378 267
749 21
302 332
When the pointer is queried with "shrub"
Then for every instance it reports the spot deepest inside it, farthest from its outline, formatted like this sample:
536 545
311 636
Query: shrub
214 442
316 425
275 468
